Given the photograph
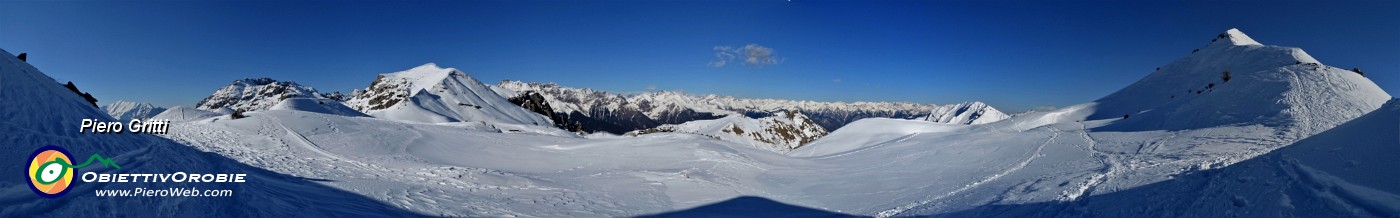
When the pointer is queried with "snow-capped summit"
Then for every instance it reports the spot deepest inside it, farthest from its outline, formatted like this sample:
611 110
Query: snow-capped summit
781 132
253 94
432 94
1235 37
126 110
1242 82
966 113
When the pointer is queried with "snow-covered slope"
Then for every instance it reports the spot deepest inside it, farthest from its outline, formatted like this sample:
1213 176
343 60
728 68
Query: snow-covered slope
254 94
432 94
645 110
870 132
1072 156
1271 85
780 133
126 110
182 113
966 113
1347 171
49 115
325 106
459 170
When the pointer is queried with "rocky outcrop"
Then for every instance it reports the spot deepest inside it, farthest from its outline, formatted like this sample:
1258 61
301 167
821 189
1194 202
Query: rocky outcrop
254 94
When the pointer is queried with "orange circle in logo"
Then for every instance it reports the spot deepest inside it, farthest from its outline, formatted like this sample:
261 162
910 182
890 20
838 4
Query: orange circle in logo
50 171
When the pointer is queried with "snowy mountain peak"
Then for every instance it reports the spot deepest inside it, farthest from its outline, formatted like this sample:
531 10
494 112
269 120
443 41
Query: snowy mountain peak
1234 37
433 94
126 110
966 113
252 94
425 76
1242 82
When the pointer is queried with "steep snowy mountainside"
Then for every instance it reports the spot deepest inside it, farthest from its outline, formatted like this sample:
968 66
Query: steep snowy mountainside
254 94
44 117
432 94
1269 85
1346 171
126 110
782 132
183 113
646 110
325 106
966 113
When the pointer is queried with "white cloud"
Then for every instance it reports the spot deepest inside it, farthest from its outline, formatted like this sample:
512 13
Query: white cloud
751 54
837 80
651 88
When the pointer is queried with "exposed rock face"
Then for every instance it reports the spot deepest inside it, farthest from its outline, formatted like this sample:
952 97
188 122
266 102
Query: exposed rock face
86 96
254 94
597 111
534 102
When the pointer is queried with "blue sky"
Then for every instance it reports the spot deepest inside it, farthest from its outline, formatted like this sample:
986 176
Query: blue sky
1012 55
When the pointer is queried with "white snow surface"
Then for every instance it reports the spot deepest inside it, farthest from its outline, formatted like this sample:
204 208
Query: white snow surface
431 94
126 110
325 106
182 113
870 132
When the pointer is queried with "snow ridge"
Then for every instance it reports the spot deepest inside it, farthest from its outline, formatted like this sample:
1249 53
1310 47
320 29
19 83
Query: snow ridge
183 113
432 94
966 113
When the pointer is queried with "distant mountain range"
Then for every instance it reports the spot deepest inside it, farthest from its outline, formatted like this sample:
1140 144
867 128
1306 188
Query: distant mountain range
429 93
598 110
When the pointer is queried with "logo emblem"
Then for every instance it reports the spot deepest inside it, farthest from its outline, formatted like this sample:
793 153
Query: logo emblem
50 171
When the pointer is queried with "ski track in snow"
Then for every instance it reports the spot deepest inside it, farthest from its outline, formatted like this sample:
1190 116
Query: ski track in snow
881 144
306 143
1109 169
895 211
